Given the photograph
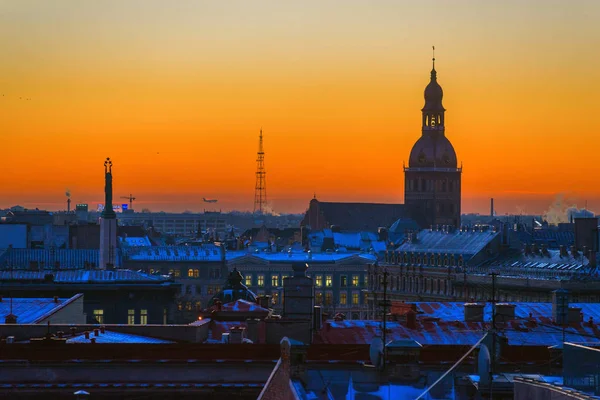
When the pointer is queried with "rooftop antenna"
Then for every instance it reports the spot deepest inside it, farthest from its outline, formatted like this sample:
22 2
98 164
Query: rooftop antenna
260 189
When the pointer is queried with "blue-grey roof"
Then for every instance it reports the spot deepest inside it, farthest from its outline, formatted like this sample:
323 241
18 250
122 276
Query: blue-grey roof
79 276
284 257
206 252
465 243
31 310
67 258
117 337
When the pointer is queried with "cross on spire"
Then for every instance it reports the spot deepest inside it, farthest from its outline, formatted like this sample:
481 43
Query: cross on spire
433 58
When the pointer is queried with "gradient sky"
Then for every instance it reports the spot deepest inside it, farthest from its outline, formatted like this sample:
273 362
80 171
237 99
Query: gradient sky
176 93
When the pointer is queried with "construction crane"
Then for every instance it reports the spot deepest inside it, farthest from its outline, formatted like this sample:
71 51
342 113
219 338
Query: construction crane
131 199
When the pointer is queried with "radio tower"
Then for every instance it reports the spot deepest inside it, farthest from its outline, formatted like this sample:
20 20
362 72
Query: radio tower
260 190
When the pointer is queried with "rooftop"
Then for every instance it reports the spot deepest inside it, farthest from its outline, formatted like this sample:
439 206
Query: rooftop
82 276
466 243
206 252
116 337
444 323
47 258
33 310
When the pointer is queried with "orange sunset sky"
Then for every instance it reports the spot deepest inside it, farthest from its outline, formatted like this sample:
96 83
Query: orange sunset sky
175 92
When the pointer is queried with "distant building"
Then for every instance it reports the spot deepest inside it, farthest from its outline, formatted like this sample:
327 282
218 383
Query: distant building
340 279
432 182
111 297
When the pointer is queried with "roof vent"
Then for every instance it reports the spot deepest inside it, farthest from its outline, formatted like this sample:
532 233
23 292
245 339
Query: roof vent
10 319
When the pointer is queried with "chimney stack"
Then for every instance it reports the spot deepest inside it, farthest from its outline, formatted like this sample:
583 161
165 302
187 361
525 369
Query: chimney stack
592 259
87 334
96 332
56 299
492 207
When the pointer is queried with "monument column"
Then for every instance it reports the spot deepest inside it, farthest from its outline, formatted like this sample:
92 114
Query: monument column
108 224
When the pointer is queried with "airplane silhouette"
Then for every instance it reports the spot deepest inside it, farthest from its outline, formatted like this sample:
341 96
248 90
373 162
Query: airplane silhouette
209 201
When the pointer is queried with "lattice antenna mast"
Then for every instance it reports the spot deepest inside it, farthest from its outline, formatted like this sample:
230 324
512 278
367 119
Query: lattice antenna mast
260 189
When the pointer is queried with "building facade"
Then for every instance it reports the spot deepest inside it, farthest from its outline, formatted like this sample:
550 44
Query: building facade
340 279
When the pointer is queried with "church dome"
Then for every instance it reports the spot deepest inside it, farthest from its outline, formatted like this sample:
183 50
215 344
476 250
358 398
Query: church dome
433 150
233 290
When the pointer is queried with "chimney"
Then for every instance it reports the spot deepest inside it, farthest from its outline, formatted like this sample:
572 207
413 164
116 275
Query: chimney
383 234
73 330
96 332
219 305
87 334
411 319
102 329
236 335
492 207
592 259
534 248
0 298
474 312
56 299
93 340
264 301
10 319
563 251
505 312
574 251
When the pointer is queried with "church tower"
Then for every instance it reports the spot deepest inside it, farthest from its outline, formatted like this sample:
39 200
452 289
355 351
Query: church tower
432 191
108 223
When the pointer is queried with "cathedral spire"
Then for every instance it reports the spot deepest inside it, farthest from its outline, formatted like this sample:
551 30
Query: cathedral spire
433 71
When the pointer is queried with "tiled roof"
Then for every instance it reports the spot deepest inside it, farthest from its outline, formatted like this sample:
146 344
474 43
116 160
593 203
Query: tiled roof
95 276
117 337
67 258
452 330
32 310
457 242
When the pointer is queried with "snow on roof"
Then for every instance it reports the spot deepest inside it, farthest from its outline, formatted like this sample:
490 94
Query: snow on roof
67 258
451 329
117 337
206 252
82 276
32 310
467 243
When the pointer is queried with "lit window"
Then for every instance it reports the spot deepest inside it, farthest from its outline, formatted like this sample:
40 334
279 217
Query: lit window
151 271
190 273
328 280
366 281
179 306
196 273
355 280
328 298
130 317
217 288
144 317
366 297
198 306
319 280
210 289
99 316
343 298
188 306
177 273
248 280
343 281
171 272
319 297
261 280
355 298
275 280
275 298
